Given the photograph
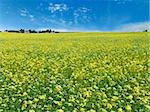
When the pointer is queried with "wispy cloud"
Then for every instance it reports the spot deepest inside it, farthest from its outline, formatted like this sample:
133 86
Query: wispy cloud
31 17
26 13
134 27
122 1
57 7
56 21
69 29
83 9
131 27
23 14
81 15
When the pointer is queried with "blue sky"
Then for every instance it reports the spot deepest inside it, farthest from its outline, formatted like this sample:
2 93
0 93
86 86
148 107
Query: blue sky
75 15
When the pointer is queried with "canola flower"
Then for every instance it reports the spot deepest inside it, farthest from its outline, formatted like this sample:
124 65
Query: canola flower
74 72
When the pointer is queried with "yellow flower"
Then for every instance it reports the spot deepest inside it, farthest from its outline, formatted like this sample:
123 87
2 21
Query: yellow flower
36 100
128 108
120 110
24 94
147 107
130 97
31 110
58 88
42 97
82 110
87 94
60 110
109 106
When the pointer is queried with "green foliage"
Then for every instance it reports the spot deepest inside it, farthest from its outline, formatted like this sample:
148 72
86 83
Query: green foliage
74 72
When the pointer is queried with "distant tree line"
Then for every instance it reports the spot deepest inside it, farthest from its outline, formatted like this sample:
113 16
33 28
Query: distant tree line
31 31
41 31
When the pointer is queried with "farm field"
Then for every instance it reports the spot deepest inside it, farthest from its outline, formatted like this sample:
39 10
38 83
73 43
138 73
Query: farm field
74 72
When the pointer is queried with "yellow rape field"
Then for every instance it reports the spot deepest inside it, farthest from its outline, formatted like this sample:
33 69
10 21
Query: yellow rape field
74 72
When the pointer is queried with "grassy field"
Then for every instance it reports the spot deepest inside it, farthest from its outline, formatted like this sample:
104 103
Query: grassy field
74 72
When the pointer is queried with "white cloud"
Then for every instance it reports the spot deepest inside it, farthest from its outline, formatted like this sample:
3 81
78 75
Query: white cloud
122 1
83 9
81 15
80 10
134 27
56 21
57 7
31 17
24 12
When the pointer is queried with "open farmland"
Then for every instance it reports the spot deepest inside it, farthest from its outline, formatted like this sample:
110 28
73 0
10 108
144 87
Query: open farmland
74 72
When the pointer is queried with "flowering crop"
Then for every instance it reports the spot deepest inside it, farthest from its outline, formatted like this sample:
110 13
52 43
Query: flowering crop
74 72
